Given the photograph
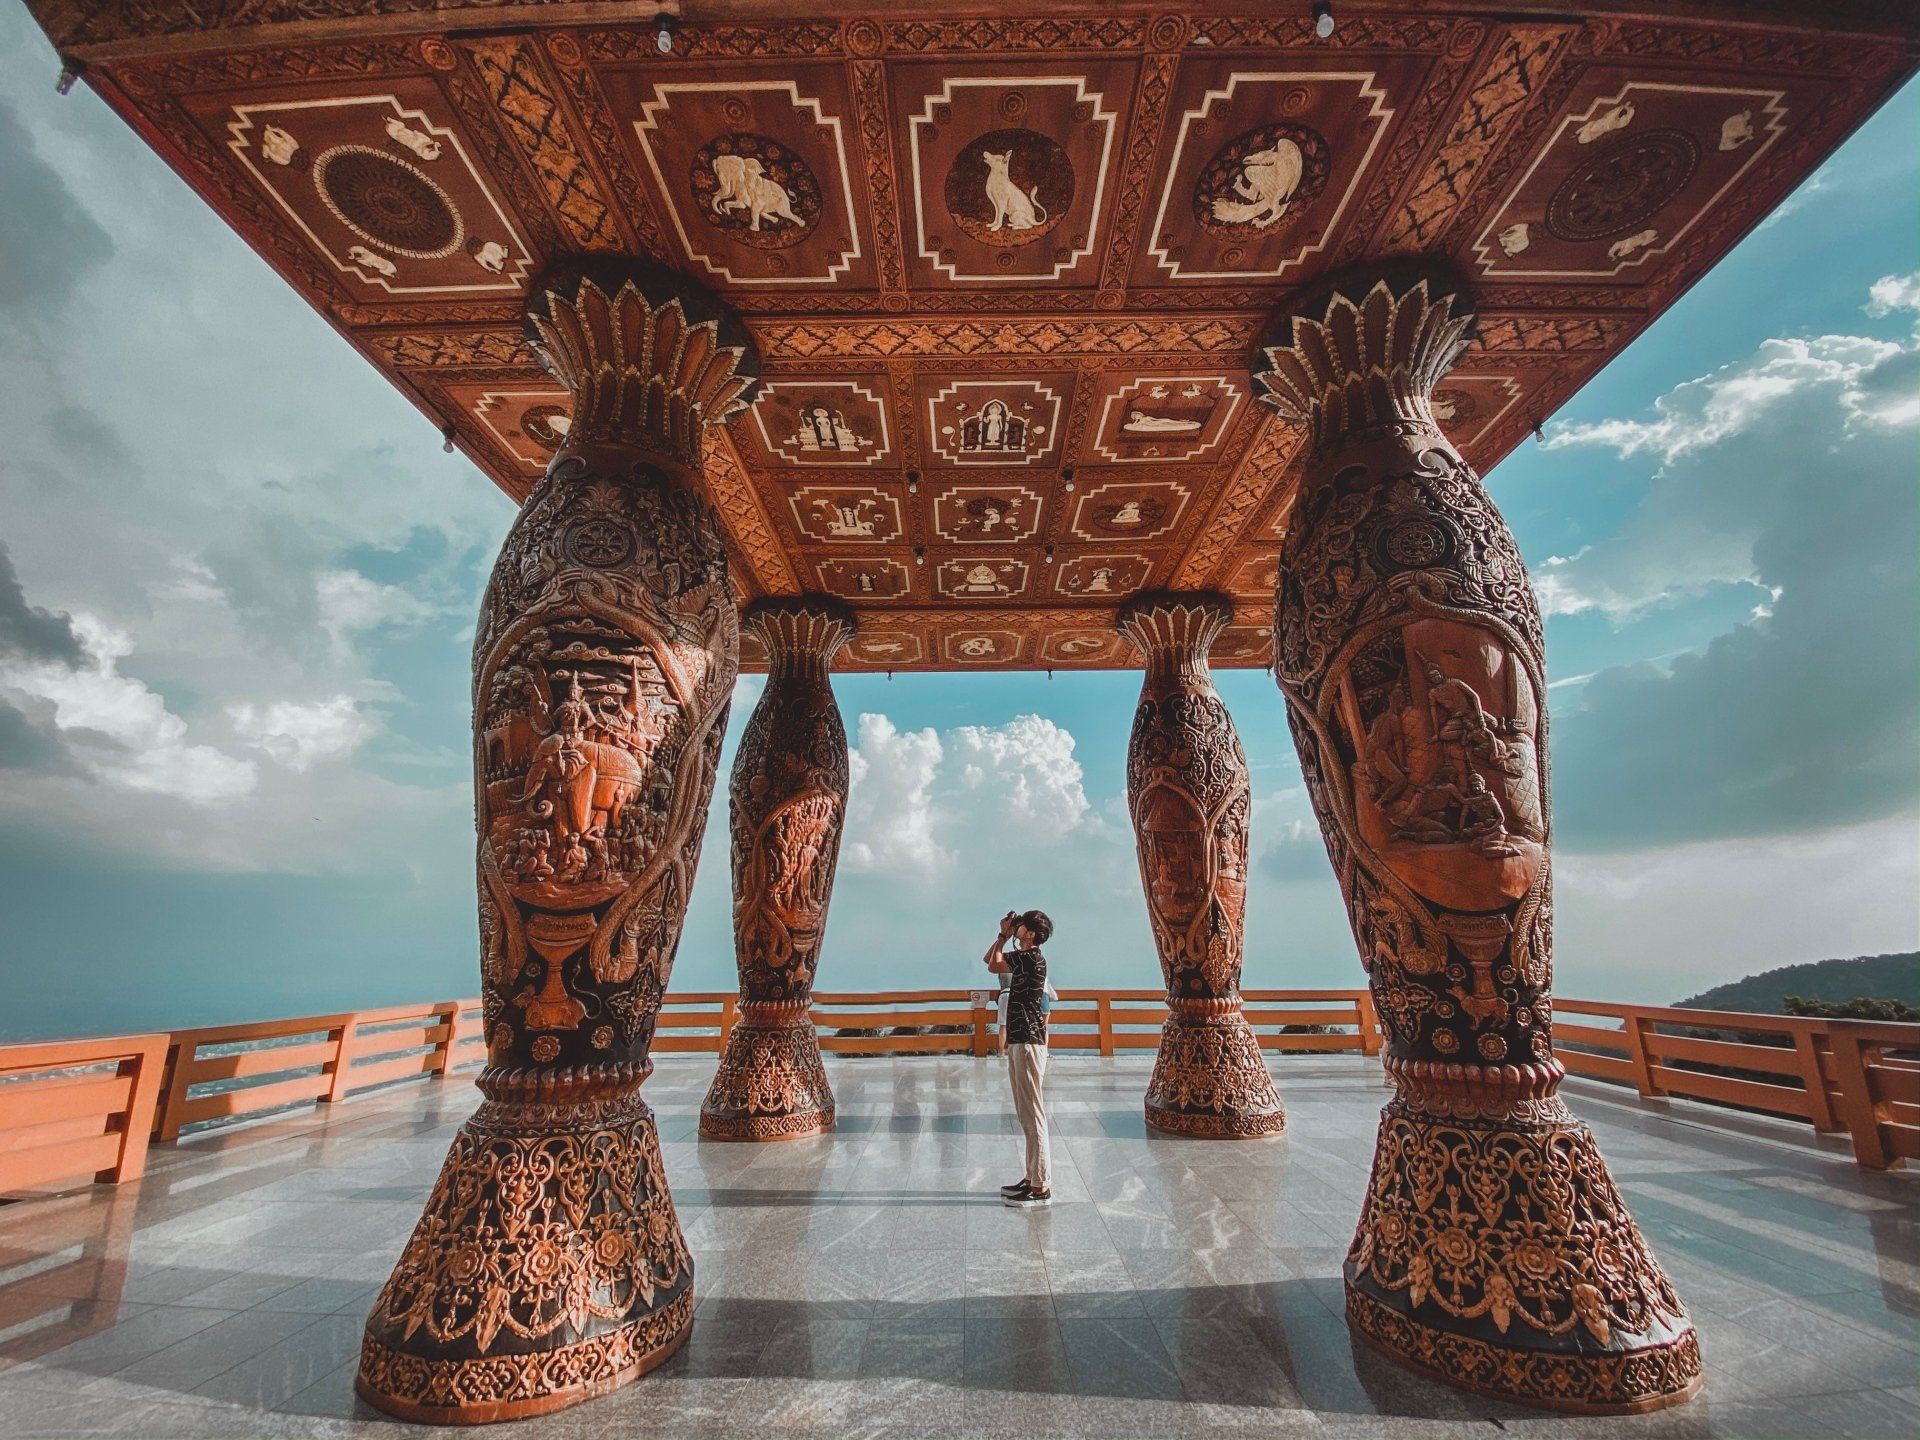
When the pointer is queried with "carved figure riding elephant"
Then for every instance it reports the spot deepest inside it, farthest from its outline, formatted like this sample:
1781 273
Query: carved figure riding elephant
590 782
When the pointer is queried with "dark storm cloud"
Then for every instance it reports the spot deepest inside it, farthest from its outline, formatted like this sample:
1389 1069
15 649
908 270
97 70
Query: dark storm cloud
27 631
26 745
48 241
1808 717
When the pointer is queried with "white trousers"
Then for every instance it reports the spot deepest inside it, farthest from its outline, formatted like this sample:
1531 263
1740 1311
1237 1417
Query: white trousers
1027 1069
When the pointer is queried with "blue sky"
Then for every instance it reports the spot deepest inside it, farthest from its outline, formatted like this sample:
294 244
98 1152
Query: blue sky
239 582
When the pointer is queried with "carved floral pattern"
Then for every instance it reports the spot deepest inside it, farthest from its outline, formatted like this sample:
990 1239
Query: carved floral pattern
546 1221
1618 1382
1509 1222
771 1084
1209 1078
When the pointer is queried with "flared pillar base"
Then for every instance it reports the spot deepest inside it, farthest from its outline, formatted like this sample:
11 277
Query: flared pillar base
1209 1079
771 1084
1494 1253
548 1268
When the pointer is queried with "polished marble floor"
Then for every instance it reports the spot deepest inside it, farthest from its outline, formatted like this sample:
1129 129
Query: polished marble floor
868 1283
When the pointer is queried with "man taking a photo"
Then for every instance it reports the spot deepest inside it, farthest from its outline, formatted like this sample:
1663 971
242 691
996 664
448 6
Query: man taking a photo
1025 1041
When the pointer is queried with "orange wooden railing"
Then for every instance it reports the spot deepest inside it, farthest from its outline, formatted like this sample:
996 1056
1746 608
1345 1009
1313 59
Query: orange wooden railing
77 1109
322 1058
1835 1074
1105 1021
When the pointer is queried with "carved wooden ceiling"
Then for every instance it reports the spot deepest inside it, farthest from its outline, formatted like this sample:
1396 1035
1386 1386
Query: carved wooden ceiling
1006 272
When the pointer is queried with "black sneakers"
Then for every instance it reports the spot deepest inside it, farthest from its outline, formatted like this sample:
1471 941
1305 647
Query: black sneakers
1027 1198
1016 1188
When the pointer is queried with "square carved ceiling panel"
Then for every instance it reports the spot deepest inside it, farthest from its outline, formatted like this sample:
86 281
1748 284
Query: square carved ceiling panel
1006 267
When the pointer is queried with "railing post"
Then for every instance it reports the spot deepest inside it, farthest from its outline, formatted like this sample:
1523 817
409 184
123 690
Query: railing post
1368 1022
981 1048
448 1013
1814 1076
1635 1031
182 1050
144 1095
1106 1023
337 1067
1856 1100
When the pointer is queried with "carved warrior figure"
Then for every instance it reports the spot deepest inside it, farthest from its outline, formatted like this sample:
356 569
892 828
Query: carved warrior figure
1188 795
1493 1249
789 800
549 1266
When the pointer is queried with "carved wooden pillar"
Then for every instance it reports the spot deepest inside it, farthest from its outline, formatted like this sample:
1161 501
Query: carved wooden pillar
1188 795
789 800
549 1266
1493 1249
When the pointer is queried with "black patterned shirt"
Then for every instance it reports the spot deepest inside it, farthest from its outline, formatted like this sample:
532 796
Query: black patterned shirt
1027 997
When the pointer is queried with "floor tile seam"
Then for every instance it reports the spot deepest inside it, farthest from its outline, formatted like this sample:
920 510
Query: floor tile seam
1712 1336
1738 1230
1819 1314
200 1335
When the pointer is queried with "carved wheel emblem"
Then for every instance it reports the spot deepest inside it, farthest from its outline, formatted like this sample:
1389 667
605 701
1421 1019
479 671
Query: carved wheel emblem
1010 187
755 189
1622 187
1260 178
599 544
1418 544
388 203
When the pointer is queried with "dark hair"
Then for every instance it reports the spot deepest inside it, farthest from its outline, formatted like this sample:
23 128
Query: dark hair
1038 925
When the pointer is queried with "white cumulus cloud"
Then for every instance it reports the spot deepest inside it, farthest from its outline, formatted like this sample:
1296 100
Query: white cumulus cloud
1790 472
890 822
920 799
120 730
1730 448
1894 292
302 734
1025 771
351 604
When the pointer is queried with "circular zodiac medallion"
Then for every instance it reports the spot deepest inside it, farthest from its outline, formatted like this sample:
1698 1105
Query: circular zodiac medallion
599 543
388 203
1010 187
545 425
1258 179
1622 187
755 189
1419 543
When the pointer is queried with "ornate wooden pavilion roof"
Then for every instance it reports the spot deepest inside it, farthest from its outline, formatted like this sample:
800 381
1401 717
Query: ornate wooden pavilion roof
1005 267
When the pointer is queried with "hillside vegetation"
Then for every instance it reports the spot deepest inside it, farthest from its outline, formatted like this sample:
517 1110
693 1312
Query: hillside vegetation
1880 977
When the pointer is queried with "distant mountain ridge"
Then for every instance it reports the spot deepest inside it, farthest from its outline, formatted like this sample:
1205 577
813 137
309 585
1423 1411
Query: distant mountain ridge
1883 977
